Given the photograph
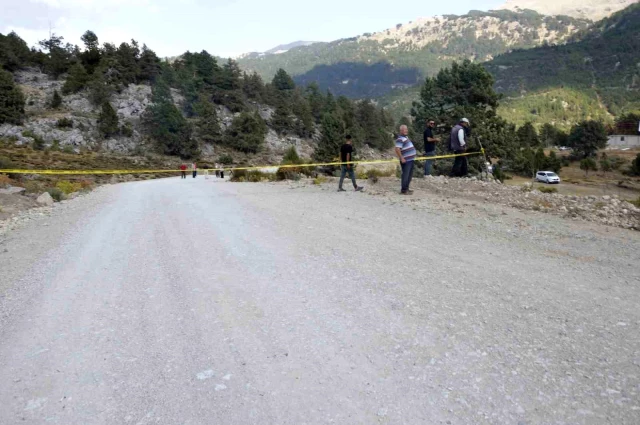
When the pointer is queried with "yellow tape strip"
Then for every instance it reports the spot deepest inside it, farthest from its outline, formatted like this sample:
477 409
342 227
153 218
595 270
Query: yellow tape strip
324 164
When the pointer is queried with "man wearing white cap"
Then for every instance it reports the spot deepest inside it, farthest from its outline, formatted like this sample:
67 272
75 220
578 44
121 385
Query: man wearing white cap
459 144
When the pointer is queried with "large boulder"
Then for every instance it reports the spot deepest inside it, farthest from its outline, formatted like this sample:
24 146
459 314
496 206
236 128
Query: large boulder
45 199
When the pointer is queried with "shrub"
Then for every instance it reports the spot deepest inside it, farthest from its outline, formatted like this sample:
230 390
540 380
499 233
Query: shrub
288 173
64 123
56 100
68 149
68 187
55 146
548 189
126 130
636 202
56 194
225 159
319 180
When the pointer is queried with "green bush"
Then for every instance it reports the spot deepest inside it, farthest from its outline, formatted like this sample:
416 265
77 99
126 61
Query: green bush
56 194
548 189
225 159
64 123
68 187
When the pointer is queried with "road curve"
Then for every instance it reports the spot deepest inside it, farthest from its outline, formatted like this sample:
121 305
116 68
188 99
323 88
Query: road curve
204 302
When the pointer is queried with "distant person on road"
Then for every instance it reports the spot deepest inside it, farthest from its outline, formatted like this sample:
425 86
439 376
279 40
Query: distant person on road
429 146
459 145
346 155
194 170
406 153
183 171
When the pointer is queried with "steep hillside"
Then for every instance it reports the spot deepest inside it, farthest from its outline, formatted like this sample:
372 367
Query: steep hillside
606 61
421 47
585 9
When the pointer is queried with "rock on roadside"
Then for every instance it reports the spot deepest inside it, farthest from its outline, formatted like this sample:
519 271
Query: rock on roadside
45 199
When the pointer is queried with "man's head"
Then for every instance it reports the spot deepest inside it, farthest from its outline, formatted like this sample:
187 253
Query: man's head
348 139
404 130
464 122
431 123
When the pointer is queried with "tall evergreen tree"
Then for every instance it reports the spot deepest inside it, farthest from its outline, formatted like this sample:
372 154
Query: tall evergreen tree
587 137
149 65
283 81
332 138
57 60
208 125
246 133
11 100
281 119
253 86
108 121
56 100
76 80
528 136
91 56
316 100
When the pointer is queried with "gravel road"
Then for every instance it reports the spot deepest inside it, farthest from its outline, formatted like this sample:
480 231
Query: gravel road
206 302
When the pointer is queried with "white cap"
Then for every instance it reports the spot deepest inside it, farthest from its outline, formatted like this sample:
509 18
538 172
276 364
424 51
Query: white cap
465 120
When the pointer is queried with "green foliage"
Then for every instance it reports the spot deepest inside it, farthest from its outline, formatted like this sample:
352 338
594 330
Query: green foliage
225 159
76 80
588 164
587 137
281 119
603 59
164 123
56 194
56 100
126 130
14 52
11 100
465 90
208 125
329 145
528 136
246 133
291 156
282 81
64 123
548 189
628 123
107 121
68 187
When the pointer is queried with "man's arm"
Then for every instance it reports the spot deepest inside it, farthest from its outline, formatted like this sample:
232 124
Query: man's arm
461 138
348 159
399 153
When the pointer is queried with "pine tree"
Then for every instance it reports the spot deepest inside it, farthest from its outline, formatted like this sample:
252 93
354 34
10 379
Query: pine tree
107 121
246 133
208 125
253 86
528 136
282 81
316 100
149 68
164 123
281 119
11 100
587 137
56 100
91 55
76 80
328 147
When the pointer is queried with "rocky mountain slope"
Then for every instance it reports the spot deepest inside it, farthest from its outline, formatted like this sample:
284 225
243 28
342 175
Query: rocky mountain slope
422 47
584 9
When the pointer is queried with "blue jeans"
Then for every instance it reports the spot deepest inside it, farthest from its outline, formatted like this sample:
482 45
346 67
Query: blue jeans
343 172
407 174
428 163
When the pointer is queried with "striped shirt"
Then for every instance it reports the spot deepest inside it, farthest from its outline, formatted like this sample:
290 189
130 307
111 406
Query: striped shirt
406 147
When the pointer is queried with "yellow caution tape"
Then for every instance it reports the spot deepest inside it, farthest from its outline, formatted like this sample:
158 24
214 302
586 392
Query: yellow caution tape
323 164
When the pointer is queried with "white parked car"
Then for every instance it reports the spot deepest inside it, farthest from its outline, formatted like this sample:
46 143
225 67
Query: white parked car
547 177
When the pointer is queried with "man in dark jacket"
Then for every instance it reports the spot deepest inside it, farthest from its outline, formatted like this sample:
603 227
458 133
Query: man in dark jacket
459 144
429 146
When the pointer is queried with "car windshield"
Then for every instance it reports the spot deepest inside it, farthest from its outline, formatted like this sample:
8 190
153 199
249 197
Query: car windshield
552 175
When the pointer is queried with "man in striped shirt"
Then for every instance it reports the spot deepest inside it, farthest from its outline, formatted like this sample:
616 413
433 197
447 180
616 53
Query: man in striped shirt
406 154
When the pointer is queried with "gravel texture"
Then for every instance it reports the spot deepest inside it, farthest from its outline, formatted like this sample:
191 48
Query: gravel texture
204 302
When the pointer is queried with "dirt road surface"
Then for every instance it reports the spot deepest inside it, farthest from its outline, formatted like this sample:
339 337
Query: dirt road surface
206 302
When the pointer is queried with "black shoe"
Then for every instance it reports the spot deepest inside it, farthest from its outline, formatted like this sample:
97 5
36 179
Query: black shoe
359 188
341 190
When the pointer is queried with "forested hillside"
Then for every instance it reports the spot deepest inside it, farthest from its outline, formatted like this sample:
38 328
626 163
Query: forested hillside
62 96
415 49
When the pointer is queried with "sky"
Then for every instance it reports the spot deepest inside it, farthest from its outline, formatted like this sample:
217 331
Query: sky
225 28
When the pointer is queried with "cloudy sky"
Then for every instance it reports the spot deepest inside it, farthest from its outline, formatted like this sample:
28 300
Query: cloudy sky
222 27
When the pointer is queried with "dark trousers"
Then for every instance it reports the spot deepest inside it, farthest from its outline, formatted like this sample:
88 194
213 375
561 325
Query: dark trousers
184 174
428 163
194 173
343 172
221 174
460 165
407 175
